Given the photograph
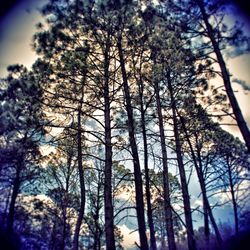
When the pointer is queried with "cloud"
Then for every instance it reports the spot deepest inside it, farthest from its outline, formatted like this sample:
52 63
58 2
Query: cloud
242 191
129 237
198 202
243 84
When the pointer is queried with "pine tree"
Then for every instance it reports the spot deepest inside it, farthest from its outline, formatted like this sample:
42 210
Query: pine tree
20 133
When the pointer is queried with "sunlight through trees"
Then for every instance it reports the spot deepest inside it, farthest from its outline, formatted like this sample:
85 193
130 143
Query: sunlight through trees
121 94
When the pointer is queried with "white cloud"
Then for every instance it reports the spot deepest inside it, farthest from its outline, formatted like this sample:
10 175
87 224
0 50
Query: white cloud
129 237
198 202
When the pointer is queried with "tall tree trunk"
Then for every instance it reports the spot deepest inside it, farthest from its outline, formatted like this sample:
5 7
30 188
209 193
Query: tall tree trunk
204 193
184 185
226 78
166 185
147 178
198 168
235 208
97 234
108 202
82 182
213 222
206 223
80 165
136 162
64 231
7 207
15 191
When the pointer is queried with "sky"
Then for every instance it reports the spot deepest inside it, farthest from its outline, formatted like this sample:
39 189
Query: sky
17 25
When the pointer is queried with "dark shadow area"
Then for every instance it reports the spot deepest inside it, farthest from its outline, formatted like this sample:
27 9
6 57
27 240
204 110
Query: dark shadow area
9 242
242 242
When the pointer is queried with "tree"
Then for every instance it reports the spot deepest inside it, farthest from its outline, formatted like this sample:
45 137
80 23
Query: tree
131 131
234 170
184 184
225 75
158 207
118 85
206 20
198 139
61 180
139 52
20 133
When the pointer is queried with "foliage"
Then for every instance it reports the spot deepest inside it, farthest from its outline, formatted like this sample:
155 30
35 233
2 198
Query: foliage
116 84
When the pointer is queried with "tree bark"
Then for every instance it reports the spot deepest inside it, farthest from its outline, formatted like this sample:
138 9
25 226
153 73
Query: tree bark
80 166
15 191
204 193
82 183
226 78
64 205
184 185
235 208
206 223
136 162
108 202
97 233
147 178
147 185
166 186
198 168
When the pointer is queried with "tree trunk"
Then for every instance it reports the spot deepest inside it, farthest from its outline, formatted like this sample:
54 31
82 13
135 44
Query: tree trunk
64 229
64 208
226 78
15 191
82 182
184 185
214 224
80 166
7 207
136 162
97 233
204 194
108 203
206 223
147 179
166 187
235 208
198 169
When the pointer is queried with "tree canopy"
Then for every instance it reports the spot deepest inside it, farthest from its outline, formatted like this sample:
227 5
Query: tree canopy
116 121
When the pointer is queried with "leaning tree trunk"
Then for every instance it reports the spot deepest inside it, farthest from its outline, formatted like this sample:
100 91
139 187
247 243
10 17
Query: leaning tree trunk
226 78
166 185
235 208
136 162
108 202
207 205
184 185
198 168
